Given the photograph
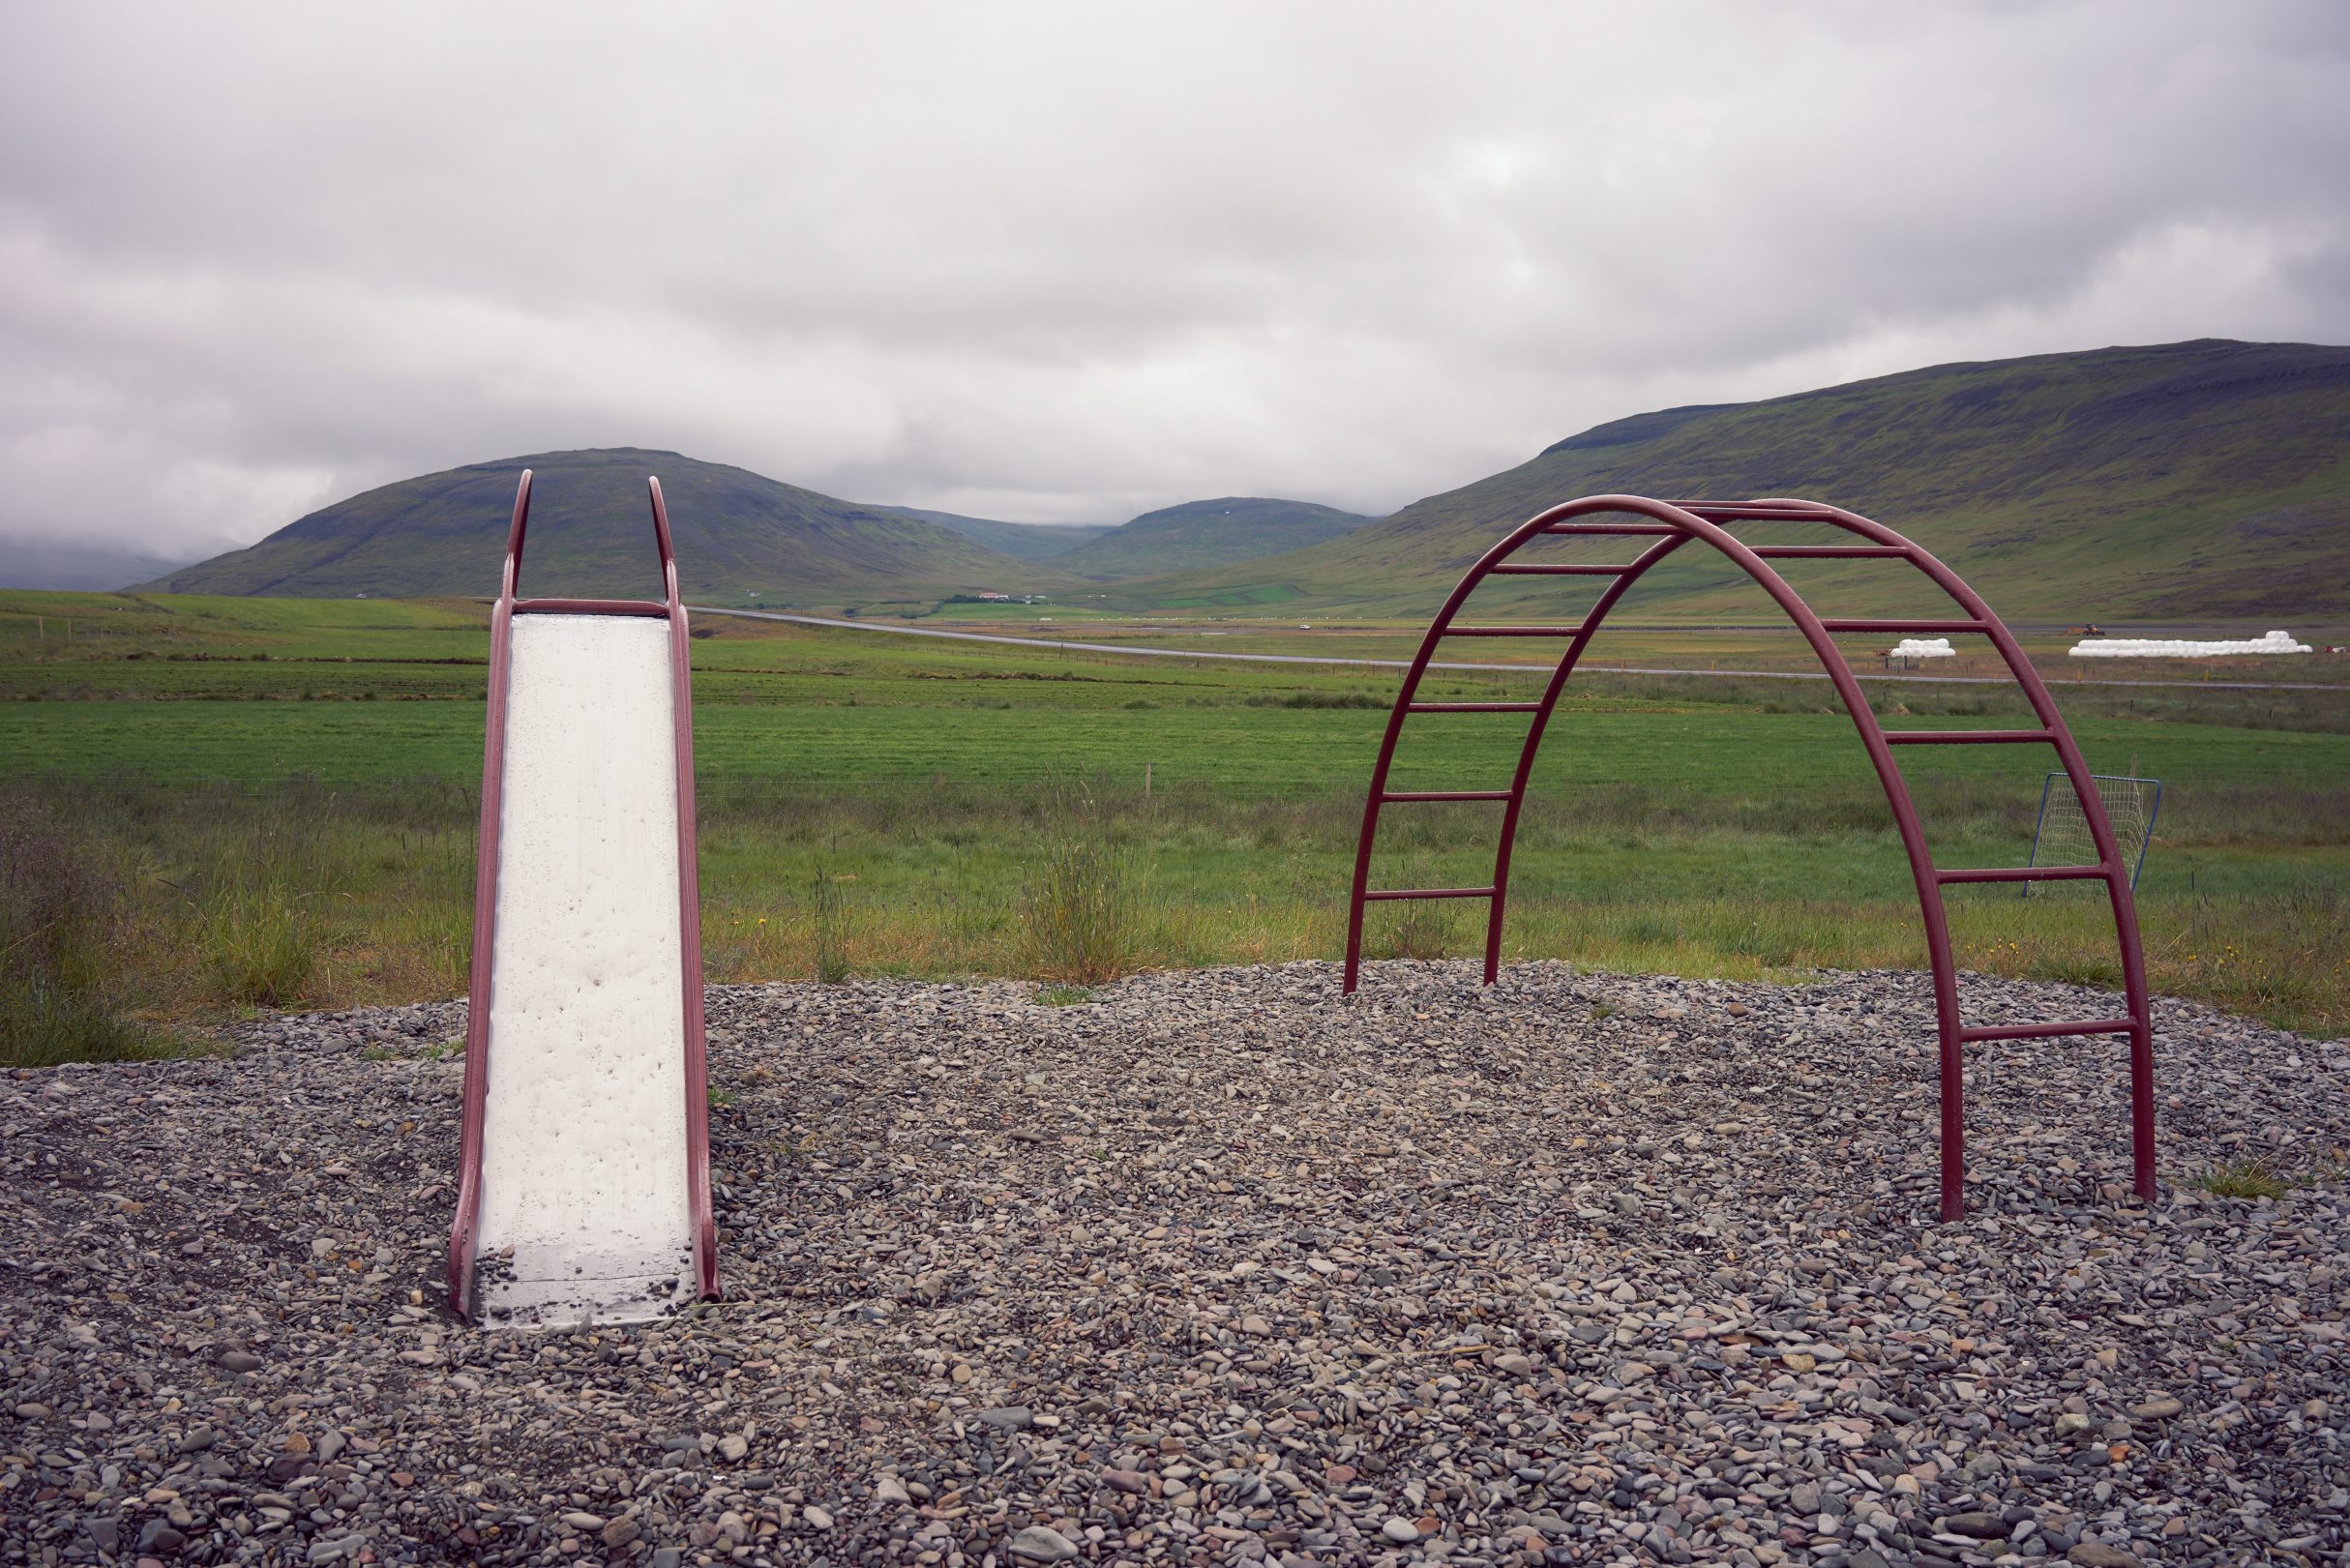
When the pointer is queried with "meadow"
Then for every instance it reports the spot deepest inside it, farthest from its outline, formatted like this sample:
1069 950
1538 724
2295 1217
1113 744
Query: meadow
876 735
296 828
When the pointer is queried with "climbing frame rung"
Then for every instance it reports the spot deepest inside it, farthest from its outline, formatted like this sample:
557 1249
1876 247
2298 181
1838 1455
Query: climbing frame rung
1968 737
1445 794
2048 1031
1511 631
1473 707
1899 623
2026 873
1829 552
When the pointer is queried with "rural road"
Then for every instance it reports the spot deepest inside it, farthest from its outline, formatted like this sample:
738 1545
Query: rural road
1405 663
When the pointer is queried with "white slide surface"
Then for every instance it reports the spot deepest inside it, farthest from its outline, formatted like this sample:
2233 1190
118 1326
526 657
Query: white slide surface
585 1204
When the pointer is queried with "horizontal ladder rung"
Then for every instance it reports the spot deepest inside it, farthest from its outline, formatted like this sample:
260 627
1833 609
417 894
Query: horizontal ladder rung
1550 570
1511 630
2043 1031
1826 552
2025 874
1968 737
1756 511
1474 707
1445 795
1640 529
1432 893
1898 624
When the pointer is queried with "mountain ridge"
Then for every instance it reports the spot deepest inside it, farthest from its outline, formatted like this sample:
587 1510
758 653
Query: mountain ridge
736 533
2024 475
1199 534
1022 541
2198 480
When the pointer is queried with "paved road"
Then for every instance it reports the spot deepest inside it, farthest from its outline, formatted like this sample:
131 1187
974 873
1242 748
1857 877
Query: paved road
1520 669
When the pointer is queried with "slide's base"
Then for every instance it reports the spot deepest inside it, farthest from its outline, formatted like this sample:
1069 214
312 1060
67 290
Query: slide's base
546 1292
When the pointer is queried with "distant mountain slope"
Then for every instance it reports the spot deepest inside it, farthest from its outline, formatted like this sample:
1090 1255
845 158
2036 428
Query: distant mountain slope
1022 541
1207 534
37 563
2182 481
591 536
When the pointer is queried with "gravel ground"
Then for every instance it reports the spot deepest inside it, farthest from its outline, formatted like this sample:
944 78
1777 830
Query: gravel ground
1220 1266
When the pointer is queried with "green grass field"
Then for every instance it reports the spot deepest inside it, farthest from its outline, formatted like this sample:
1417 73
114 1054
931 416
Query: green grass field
314 806
889 735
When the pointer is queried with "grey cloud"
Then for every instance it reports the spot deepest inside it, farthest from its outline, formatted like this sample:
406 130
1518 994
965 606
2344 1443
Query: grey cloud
1068 262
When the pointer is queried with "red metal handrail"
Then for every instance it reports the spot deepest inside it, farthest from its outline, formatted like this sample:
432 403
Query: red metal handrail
465 1223
689 919
1676 523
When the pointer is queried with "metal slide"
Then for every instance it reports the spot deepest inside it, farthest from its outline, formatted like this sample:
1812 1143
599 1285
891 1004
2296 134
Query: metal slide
583 1186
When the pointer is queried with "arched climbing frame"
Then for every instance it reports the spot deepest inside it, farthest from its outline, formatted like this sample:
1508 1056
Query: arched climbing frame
1672 524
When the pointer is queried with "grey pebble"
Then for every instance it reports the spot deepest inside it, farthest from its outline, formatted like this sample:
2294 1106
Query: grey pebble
1296 1270
1038 1544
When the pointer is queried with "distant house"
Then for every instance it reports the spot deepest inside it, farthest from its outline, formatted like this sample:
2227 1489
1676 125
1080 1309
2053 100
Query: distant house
986 595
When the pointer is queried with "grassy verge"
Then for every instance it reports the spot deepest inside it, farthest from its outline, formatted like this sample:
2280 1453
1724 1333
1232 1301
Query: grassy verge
184 903
200 900
1227 747
66 916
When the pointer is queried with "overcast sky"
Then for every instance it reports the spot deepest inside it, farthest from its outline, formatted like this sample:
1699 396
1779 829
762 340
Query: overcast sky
1069 262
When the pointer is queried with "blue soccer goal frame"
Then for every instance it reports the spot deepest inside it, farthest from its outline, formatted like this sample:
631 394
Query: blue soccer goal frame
2040 826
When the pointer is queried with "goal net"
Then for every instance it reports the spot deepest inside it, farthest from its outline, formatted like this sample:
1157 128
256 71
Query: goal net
2062 837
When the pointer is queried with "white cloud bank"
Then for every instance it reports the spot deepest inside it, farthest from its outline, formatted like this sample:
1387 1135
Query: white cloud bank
1069 262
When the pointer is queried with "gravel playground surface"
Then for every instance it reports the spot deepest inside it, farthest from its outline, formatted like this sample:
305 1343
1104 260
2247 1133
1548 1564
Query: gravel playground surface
1218 1267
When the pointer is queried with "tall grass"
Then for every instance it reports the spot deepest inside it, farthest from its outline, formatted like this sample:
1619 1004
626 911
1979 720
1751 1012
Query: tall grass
2284 956
197 900
1416 928
65 916
1081 914
191 902
261 944
831 928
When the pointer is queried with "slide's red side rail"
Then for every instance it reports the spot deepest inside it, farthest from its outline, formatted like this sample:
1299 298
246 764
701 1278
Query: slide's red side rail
464 1227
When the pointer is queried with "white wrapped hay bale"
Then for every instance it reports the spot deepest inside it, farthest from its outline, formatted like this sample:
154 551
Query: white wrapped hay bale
2172 648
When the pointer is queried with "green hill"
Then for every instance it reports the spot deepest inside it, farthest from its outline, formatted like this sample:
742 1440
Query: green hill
591 536
1022 541
2194 482
2204 482
1207 534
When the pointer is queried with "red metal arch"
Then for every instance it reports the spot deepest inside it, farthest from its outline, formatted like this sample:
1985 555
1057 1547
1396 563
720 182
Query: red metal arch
1673 525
